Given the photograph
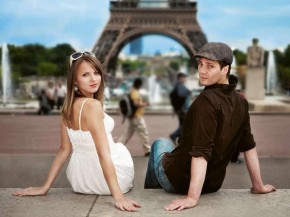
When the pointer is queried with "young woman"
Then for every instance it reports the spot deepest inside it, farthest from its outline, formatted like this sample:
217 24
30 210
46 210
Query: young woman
98 165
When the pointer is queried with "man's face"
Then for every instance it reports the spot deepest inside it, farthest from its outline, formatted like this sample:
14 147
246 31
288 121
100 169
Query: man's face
211 73
182 79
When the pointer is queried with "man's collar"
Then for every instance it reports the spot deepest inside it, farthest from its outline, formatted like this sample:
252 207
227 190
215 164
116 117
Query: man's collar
221 86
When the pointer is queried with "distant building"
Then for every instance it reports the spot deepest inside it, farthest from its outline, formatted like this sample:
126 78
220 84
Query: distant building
136 46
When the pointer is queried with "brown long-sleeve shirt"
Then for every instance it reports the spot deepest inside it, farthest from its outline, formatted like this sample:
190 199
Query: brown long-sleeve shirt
216 124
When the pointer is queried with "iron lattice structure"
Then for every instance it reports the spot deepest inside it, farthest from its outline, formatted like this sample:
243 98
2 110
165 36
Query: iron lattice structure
131 19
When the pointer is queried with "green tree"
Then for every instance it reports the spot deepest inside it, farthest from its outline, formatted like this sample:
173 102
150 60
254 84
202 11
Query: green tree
174 64
46 69
283 66
26 58
241 58
287 56
129 66
59 55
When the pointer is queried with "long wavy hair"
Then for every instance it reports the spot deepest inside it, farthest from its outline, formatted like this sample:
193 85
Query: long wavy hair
71 94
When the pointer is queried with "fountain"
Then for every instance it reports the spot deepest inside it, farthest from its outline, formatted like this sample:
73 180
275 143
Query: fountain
271 77
6 75
154 90
234 72
183 68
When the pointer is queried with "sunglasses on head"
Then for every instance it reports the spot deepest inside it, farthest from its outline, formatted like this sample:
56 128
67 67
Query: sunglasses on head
78 55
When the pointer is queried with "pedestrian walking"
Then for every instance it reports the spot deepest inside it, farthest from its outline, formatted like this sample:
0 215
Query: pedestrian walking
180 101
50 94
60 91
136 123
44 107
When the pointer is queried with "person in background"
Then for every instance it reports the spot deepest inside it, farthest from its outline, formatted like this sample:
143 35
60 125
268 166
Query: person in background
235 158
60 94
137 122
97 165
50 93
182 101
44 107
216 124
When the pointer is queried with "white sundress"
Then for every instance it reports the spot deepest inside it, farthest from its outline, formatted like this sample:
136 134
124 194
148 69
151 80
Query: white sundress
84 170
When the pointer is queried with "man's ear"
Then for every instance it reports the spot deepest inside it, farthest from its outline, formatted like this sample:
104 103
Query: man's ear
225 69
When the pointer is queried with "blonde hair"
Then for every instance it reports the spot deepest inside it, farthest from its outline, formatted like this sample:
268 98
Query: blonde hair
71 94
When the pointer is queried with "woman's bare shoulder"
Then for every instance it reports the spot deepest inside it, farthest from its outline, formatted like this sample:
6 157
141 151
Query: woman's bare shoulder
93 103
93 107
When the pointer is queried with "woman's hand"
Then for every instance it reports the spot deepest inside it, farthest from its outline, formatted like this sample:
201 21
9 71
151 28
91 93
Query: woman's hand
31 191
125 204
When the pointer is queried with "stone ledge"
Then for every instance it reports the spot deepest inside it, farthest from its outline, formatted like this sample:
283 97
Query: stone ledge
270 104
225 203
20 171
60 202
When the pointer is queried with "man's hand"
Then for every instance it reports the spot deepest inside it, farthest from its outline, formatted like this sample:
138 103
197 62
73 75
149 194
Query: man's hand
125 204
180 204
263 190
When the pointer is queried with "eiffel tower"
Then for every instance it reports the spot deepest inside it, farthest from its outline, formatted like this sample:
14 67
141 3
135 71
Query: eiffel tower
131 19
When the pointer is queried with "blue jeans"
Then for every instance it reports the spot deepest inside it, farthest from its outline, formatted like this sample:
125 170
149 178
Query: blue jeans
155 176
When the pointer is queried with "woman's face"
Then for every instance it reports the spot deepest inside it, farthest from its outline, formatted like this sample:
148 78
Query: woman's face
88 80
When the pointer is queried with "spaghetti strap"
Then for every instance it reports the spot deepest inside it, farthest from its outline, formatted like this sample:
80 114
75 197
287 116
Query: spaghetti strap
80 115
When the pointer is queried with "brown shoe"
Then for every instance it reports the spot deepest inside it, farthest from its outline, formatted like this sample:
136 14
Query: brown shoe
147 154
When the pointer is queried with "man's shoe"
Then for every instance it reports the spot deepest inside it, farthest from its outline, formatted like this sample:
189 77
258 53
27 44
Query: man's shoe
238 161
147 154
174 140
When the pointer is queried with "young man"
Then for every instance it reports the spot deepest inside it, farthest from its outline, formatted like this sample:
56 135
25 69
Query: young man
216 124
137 122
182 99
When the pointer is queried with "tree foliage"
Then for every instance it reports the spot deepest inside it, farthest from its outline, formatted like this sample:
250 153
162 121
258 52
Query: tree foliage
174 65
241 58
129 66
283 66
35 59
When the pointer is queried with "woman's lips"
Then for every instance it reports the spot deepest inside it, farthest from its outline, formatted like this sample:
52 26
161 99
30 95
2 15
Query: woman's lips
94 85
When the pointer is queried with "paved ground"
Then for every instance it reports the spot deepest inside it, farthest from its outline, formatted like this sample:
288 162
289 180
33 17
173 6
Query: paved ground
28 144
29 134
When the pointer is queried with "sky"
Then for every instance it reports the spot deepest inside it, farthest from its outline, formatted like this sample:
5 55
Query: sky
80 23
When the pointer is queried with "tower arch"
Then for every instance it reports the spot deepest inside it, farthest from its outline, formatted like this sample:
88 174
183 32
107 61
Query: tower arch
129 21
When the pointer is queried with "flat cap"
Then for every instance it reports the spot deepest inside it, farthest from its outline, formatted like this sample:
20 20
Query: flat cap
216 51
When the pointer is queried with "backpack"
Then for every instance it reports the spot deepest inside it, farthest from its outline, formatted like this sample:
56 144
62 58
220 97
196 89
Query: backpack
127 107
175 100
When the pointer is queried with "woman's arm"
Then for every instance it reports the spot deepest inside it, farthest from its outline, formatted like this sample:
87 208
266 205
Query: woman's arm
93 113
60 158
